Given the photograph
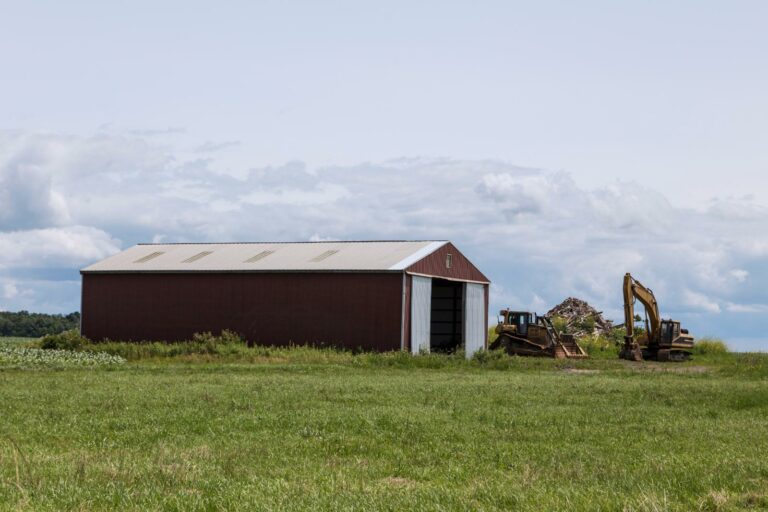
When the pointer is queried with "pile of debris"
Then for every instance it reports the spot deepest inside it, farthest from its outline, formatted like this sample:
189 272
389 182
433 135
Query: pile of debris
579 318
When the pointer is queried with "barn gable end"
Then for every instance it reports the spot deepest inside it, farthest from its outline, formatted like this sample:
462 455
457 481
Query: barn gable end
435 264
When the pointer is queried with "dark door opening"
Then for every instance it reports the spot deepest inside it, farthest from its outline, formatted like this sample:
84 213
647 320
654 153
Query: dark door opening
446 332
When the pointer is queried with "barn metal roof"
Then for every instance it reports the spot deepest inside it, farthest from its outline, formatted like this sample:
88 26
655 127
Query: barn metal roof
266 257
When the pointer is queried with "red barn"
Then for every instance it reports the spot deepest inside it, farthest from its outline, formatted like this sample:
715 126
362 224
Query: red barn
382 295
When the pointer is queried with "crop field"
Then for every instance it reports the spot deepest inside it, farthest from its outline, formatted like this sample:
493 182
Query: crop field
11 341
303 429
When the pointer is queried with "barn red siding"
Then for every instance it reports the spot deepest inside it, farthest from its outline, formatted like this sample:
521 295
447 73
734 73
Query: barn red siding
350 310
461 267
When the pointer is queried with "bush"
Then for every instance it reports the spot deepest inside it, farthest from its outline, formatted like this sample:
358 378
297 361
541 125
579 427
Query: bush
492 334
226 337
587 325
560 324
596 343
211 344
67 340
616 335
709 345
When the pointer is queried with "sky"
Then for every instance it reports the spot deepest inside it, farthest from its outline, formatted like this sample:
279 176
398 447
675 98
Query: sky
558 144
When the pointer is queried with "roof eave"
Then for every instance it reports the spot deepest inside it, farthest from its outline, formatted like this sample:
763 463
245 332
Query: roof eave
246 271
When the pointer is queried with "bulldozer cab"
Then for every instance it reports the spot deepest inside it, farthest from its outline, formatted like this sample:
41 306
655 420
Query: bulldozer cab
520 319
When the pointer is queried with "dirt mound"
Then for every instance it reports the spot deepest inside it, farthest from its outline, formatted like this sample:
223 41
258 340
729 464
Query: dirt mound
579 318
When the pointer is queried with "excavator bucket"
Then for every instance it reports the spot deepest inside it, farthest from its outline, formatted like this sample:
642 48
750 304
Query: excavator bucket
631 353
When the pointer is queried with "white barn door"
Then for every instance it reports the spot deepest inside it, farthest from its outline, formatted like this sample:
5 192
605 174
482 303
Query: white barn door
474 318
421 309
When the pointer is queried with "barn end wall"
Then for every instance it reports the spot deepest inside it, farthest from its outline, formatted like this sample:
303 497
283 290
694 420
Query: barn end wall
461 268
343 309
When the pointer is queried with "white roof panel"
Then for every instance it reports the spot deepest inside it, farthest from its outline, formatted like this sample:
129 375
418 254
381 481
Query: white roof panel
266 257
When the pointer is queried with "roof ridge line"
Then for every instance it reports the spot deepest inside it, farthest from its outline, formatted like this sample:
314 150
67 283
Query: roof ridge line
286 243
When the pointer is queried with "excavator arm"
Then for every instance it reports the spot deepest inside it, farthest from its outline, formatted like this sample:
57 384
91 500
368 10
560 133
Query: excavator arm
634 289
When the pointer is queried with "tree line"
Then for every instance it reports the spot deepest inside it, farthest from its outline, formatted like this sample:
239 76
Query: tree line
33 325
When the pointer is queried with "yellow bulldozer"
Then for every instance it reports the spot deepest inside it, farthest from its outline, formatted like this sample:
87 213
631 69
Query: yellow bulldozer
663 340
526 334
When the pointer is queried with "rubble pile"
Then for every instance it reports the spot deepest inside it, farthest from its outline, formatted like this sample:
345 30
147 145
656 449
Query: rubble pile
580 318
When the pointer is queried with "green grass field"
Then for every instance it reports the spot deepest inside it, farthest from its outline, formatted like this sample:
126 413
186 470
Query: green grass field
321 430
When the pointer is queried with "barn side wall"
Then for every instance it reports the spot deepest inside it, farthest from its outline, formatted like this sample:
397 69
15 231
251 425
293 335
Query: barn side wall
461 267
349 310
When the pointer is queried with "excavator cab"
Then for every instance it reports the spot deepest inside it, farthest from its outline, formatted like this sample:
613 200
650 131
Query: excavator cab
674 342
669 331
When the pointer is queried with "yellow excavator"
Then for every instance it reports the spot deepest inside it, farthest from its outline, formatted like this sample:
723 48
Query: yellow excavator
663 340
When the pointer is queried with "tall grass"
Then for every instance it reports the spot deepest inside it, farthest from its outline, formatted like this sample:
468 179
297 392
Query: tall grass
709 345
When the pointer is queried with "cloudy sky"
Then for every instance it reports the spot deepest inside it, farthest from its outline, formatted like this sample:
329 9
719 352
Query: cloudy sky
558 144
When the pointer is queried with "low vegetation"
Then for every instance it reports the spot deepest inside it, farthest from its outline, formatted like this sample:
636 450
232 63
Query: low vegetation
21 357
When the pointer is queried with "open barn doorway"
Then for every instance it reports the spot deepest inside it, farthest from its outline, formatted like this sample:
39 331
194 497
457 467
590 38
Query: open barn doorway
446 319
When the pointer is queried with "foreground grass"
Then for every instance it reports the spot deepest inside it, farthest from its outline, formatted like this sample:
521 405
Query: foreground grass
357 434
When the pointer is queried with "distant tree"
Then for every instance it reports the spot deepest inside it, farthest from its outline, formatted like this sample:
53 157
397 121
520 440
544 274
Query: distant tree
34 325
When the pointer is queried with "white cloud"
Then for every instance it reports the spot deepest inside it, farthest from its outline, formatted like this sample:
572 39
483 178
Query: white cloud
318 238
10 290
71 246
700 301
746 308
538 304
538 235
28 198
739 274
323 193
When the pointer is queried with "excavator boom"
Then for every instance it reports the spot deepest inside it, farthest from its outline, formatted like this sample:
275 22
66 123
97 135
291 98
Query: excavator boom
634 289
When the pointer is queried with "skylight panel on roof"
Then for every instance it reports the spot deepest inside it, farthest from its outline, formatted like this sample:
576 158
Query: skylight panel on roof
260 256
148 257
197 256
325 255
